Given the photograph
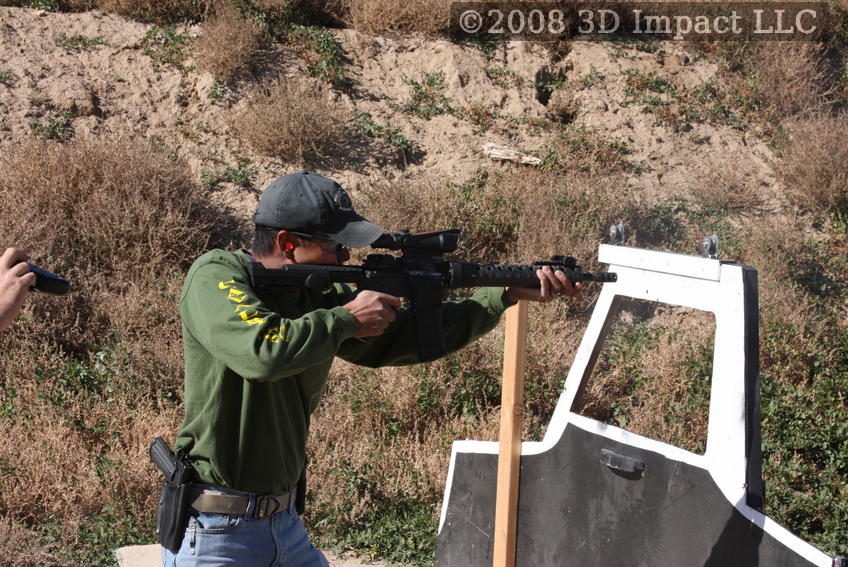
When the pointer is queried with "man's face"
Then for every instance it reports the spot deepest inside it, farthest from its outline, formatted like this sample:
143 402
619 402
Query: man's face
320 249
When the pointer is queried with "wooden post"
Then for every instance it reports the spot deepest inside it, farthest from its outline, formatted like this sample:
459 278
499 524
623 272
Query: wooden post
509 455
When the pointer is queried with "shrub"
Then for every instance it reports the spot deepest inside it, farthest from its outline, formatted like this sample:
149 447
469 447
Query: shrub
792 81
376 16
773 82
157 11
227 42
111 213
292 121
117 219
813 164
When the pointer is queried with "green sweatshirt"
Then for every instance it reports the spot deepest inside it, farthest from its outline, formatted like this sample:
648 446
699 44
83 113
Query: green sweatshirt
256 369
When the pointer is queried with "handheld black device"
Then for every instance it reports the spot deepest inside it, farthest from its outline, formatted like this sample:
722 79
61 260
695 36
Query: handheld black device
48 282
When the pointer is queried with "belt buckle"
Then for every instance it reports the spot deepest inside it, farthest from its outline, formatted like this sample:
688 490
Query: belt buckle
266 506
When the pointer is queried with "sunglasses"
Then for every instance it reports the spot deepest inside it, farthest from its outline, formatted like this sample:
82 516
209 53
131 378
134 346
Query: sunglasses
328 245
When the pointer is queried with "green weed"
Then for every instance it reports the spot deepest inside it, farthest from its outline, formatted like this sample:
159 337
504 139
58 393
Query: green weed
480 116
67 379
663 224
428 96
638 88
7 78
241 175
323 52
710 102
366 126
397 528
486 43
590 79
59 128
78 42
94 542
805 436
714 104
503 77
46 5
584 149
219 92
165 46
646 46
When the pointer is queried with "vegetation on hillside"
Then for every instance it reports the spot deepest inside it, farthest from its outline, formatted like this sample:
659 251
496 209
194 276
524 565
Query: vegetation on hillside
86 381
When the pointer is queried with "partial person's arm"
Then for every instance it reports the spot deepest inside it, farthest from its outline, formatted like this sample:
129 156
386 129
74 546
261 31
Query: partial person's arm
221 311
15 283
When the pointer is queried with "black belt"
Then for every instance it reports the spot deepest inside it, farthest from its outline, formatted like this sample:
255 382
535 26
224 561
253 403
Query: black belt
212 501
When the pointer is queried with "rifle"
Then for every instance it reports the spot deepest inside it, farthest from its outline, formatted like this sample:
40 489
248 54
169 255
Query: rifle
421 275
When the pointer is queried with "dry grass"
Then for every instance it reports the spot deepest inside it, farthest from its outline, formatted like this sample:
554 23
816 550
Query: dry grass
498 212
90 378
729 189
293 121
813 165
113 216
20 547
377 16
777 81
160 11
792 77
653 374
788 268
227 42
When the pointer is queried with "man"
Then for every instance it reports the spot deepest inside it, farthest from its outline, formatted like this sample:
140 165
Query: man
256 368
15 282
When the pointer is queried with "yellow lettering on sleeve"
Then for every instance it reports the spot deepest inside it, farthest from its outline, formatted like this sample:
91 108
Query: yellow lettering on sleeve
248 314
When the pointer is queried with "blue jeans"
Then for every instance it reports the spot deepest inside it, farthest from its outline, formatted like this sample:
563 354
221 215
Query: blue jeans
213 540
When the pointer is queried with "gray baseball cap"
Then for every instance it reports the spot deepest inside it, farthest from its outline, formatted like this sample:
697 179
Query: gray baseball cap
308 201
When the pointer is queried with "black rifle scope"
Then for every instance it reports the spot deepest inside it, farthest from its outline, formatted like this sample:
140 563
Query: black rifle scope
439 241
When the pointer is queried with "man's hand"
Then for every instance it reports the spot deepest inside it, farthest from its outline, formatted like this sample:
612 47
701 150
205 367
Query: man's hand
373 312
15 281
553 286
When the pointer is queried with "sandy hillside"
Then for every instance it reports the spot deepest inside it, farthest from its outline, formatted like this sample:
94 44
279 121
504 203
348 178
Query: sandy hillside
113 87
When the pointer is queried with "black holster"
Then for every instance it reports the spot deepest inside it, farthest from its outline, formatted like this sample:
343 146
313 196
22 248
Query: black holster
172 512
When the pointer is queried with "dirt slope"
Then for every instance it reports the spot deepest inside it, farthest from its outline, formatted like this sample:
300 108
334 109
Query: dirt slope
112 87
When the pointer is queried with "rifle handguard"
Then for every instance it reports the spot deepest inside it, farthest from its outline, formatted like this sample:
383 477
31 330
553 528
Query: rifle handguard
465 274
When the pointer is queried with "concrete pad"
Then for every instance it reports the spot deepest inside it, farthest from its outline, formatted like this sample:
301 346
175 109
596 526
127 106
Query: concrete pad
139 556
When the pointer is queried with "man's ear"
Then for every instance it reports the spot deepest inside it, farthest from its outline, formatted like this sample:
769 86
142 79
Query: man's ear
285 244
